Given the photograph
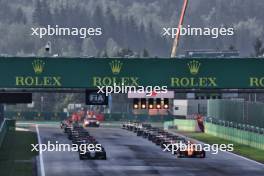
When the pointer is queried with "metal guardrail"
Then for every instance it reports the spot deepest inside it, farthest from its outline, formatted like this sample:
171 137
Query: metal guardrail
240 126
139 117
239 133
249 138
237 111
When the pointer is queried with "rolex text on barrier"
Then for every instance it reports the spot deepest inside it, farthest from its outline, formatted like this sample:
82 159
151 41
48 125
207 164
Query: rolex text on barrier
59 73
38 80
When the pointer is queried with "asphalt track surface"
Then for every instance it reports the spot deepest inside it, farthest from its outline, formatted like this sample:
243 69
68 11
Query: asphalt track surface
129 155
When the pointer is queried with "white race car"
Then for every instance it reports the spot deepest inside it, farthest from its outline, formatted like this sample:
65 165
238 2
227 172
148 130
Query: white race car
91 122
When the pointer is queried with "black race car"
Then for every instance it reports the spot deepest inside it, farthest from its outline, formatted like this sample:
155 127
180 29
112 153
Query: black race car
84 141
166 140
149 131
159 137
97 153
63 124
67 129
75 132
172 141
154 133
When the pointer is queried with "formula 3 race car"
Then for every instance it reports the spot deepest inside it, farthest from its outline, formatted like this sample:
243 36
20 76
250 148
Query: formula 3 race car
190 152
91 122
97 153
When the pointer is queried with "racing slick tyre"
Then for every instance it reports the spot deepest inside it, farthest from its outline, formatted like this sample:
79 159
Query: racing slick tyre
203 155
81 157
104 158
178 155
92 155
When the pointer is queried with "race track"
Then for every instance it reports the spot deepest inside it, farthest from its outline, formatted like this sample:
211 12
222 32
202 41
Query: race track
129 155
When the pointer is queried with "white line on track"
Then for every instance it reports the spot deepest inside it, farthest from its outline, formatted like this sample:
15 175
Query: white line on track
2 124
42 170
250 160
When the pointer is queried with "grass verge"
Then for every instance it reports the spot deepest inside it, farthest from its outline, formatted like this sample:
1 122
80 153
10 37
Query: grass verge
15 153
240 149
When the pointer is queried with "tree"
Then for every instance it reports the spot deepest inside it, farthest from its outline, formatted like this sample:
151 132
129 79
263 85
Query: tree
5 12
42 14
258 47
145 53
111 47
37 13
89 48
111 23
104 54
232 48
151 38
125 52
98 18
46 16
98 22
151 31
120 32
142 38
133 33
20 16
71 50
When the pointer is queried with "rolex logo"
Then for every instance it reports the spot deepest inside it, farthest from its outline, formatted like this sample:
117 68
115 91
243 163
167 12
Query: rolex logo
38 66
194 67
116 66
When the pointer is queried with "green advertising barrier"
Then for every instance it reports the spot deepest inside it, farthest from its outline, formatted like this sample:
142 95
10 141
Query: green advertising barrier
181 124
236 135
168 124
185 73
5 126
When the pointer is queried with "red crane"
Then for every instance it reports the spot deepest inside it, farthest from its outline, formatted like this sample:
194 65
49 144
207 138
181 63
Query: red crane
176 40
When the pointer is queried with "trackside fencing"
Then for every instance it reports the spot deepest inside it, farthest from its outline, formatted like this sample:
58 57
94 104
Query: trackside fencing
252 139
58 116
237 111
5 126
140 117
240 136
